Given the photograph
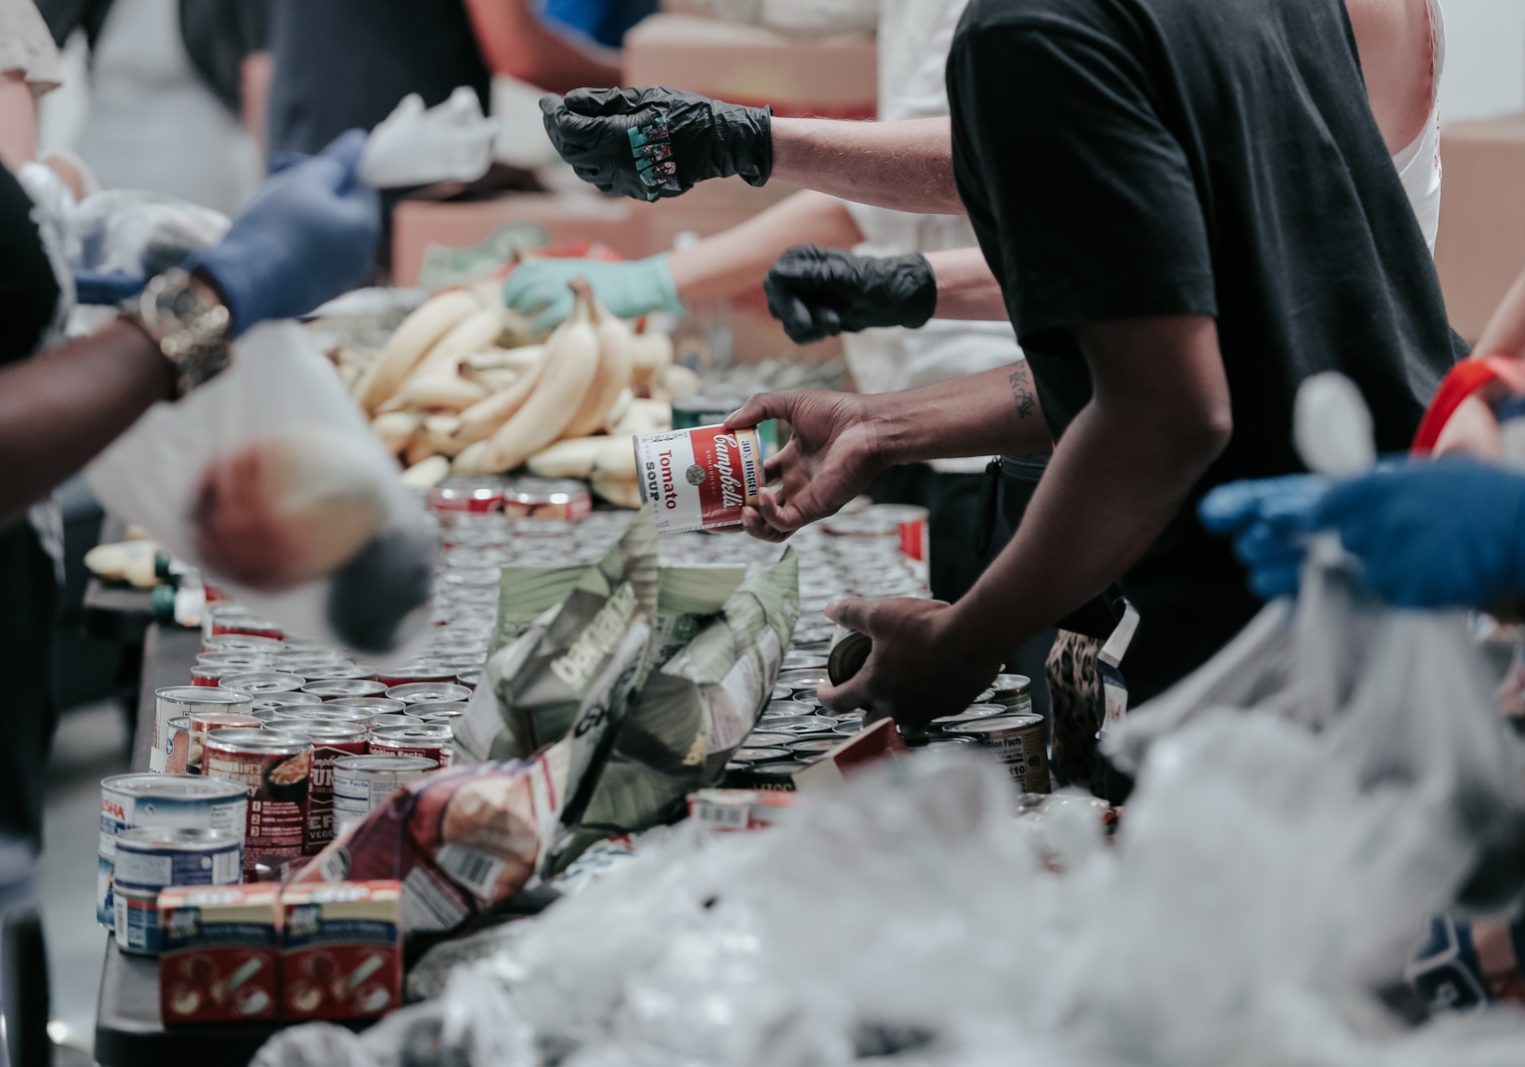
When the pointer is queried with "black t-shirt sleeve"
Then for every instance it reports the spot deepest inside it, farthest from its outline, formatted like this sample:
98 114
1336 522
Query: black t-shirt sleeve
28 290
1059 149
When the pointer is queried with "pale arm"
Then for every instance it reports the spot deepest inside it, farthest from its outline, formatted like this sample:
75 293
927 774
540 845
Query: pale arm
906 165
966 289
1159 417
738 259
515 41
254 75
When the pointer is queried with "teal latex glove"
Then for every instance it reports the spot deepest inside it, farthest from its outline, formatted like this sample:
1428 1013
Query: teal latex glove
538 288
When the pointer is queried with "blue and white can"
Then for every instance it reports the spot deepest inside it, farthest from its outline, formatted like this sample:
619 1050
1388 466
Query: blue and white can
151 858
176 801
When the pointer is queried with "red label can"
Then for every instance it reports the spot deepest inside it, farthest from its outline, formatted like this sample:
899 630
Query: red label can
330 742
201 723
275 770
469 495
699 479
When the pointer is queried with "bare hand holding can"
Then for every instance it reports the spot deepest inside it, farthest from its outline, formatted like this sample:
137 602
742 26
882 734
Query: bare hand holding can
919 668
832 456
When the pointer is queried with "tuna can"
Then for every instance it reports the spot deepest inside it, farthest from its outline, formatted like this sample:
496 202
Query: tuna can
174 756
953 724
1019 742
416 673
429 693
275 770
781 692
387 721
205 722
363 783
848 656
699 479
331 742
548 498
769 739
478 496
812 747
344 688
263 682
787 709
432 740
129 801
179 701
154 857
470 679
808 724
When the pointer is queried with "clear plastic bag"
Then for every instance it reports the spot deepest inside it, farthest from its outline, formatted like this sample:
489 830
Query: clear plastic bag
281 397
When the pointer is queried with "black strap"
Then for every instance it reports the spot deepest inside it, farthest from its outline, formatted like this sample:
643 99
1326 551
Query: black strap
990 492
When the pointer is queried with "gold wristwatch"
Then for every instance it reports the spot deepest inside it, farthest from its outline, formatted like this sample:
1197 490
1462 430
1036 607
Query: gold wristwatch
188 321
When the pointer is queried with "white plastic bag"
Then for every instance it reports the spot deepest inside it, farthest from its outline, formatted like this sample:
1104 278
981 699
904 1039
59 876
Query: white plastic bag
449 142
280 389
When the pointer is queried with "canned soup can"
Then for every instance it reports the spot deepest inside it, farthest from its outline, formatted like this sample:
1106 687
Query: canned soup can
205 722
429 693
179 701
275 771
331 742
344 688
432 740
699 479
1019 742
129 801
364 783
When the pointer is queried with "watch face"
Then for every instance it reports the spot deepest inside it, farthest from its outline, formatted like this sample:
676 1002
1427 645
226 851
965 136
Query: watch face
180 302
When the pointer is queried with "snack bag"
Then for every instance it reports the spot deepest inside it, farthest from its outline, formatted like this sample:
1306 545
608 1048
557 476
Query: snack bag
464 840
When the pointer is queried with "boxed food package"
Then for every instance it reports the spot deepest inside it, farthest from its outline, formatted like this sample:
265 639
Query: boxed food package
729 810
1481 248
221 958
341 950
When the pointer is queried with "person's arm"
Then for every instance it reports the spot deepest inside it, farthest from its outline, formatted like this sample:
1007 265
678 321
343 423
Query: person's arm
738 259
1159 417
18 119
966 288
515 41
1505 333
58 411
716 267
904 166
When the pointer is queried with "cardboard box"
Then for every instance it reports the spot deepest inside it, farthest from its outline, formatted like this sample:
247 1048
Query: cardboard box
341 950
829 77
1481 249
221 954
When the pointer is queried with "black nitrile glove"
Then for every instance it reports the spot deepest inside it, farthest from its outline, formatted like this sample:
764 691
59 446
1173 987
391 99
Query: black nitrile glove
657 142
821 292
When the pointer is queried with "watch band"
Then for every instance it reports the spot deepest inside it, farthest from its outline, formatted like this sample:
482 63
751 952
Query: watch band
189 323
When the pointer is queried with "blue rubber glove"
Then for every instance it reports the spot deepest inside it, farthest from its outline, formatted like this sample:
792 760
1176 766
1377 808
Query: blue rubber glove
1426 534
308 236
538 288
1270 521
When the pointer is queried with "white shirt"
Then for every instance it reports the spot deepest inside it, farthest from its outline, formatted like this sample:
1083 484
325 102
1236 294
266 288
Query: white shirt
1419 164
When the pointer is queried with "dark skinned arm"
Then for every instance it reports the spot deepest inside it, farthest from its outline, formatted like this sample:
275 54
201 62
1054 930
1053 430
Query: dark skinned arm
1159 417
62 408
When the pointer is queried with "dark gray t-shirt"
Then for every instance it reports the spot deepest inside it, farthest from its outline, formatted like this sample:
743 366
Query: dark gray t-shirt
341 64
1136 158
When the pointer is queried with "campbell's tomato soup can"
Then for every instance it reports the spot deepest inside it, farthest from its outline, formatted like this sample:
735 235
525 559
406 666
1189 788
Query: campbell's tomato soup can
230 620
432 740
275 770
467 495
204 722
446 711
249 661
372 705
386 721
330 742
415 673
243 643
323 713
259 682
699 479
911 528
266 702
